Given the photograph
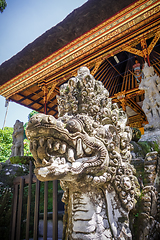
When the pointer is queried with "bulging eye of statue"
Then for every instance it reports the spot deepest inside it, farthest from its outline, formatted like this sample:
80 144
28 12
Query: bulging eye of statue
73 126
87 78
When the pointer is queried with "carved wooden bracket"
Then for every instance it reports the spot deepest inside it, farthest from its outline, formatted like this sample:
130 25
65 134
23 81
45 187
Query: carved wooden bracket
121 98
133 50
54 84
44 87
153 43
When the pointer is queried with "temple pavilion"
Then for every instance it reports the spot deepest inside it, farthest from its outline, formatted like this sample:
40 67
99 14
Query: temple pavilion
112 38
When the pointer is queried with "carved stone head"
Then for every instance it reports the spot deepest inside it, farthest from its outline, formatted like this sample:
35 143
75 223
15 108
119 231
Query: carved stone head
90 136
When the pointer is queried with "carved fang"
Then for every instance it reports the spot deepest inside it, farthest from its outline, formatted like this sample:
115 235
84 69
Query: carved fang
49 143
56 146
71 155
45 162
62 149
79 148
87 150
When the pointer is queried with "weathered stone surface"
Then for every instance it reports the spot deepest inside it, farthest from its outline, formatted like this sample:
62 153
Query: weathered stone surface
151 104
147 220
88 149
18 137
152 135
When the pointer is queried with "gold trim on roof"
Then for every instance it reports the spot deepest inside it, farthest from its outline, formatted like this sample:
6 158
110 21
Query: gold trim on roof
131 18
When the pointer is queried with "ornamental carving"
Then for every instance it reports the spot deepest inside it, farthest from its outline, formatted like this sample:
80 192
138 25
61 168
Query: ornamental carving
88 149
151 104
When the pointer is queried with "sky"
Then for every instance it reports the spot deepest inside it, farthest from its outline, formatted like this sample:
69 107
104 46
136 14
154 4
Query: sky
20 24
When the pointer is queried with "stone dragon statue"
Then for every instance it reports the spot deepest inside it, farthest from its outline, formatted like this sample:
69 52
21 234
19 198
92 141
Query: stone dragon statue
88 149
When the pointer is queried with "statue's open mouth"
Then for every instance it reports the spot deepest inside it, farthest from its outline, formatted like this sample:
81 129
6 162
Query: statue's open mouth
55 148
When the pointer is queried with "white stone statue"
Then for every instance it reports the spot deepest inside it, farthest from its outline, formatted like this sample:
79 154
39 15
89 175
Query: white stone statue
151 104
88 149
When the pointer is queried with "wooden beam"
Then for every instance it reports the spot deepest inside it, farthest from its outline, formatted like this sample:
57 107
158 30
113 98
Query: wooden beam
145 50
93 72
130 93
103 71
123 103
57 89
113 86
126 81
136 121
133 105
133 50
153 43
126 99
114 68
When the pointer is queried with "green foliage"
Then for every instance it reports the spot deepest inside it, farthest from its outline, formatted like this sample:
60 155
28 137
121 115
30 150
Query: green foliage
25 125
31 114
3 5
5 143
6 194
26 148
50 197
24 212
156 146
145 146
148 147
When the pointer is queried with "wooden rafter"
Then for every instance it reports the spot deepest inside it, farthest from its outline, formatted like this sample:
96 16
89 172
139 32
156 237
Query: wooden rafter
93 72
103 70
48 92
107 83
113 86
133 105
133 51
125 98
153 43
136 121
129 94
56 89
114 68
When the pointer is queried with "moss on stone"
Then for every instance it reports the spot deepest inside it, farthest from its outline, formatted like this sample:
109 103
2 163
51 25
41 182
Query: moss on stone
21 159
